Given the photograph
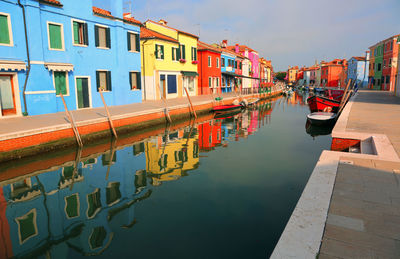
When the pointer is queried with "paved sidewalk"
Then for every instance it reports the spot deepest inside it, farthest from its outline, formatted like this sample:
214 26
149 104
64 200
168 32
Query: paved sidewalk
364 214
13 126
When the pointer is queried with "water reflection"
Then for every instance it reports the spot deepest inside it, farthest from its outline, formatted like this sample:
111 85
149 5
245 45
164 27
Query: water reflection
80 200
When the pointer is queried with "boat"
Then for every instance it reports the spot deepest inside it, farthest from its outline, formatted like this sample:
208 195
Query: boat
252 101
322 118
226 115
335 94
315 130
318 103
226 108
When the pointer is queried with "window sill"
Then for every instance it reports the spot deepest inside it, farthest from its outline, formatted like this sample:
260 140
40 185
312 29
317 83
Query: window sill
159 59
64 95
79 45
57 49
136 90
105 48
133 51
7 45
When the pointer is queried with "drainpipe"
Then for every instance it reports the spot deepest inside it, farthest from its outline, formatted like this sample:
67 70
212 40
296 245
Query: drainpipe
28 70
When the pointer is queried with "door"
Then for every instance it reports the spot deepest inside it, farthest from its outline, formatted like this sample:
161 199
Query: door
162 86
7 96
172 84
82 89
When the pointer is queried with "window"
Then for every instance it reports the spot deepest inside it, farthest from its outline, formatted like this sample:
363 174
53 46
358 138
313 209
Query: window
194 54
113 194
106 158
56 37
391 45
217 82
379 66
217 63
102 37
94 203
175 54
390 62
159 51
209 61
103 79
138 148
60 82
97 238
387 79
223 81
182 50
72 206
5 30
210 82
133 41
27 226
135 80
384 63
80 33
222 62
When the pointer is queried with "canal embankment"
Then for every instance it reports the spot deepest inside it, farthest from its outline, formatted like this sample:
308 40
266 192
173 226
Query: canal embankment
350 206
27 136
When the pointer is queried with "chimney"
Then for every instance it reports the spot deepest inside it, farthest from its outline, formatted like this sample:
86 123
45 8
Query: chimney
224 43
163 22
237 48
116 8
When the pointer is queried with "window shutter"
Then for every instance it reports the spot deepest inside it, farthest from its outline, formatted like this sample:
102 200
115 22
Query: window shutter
173 53
184 51
98 80
178 53
156 51
139 81
109 87
96 35
162 52
130 79
76 32
4 33
195 53
85 34
108 38
128 36
137 38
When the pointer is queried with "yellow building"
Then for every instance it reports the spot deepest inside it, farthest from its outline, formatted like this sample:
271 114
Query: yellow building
168 158
292 74
169 61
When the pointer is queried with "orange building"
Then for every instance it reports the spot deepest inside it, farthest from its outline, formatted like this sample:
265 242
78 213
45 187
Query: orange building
333 74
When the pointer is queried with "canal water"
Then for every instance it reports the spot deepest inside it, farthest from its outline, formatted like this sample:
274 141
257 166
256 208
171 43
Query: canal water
221 188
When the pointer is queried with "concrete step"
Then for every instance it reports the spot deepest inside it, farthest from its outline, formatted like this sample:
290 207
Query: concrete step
368 146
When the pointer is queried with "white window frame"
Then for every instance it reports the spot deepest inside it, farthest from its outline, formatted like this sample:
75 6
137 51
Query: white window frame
135 51
72 31
161 59
34 223
217 62
10 34
62 35
66 81
103 70
90 92
87 201
106 27
210 79
209 61
136 71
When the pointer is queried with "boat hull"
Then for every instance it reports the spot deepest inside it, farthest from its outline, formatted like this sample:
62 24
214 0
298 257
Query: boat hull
226 108
322 118
320 104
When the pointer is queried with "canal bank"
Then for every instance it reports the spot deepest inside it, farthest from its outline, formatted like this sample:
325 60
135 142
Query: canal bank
350 206
27 136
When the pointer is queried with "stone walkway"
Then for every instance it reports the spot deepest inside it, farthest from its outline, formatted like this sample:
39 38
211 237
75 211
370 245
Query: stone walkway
364 214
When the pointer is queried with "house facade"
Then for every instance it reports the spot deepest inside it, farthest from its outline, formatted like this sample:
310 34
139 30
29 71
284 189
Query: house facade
376 66
169 61
228 61
357 71
292 74
389 69
209 69
72 48
333 73
397 91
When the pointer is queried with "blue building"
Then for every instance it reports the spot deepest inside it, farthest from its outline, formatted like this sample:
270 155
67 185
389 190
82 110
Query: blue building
80 207
71 47
357 71
228 64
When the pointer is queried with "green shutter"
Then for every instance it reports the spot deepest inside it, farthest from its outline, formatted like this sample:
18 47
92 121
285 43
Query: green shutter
55 36
80 92
162 51
139 81
76 32
108 38
60 83
156 51
98 80
128 35
4 32
96 35
137 38
85 34
109 87
183 52
173 53
178 53
130 79
72 206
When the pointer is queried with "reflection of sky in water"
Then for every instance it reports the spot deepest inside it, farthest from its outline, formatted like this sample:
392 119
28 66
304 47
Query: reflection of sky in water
246 174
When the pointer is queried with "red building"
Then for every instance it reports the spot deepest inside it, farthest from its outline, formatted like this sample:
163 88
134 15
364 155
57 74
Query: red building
389 71
210 135
333 74
209 69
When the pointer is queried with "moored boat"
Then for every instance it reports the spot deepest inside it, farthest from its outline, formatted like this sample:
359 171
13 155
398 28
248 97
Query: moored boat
322 118
226 108
318 103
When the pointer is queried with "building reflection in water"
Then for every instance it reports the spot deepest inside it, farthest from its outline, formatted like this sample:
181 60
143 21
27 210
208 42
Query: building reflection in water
79 204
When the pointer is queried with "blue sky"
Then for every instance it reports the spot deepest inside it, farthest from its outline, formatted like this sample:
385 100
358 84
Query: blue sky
290 32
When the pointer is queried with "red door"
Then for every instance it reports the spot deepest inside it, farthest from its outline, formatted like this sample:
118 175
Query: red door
7 95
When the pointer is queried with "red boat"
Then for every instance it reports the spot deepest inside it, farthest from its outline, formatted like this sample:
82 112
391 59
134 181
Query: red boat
321 103
226 108
335 94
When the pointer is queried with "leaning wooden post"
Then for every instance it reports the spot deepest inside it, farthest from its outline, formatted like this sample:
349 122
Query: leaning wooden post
190 101
108 114
71 119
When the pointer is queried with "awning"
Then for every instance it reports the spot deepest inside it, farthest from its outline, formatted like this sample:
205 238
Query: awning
12 65
59 67
189 73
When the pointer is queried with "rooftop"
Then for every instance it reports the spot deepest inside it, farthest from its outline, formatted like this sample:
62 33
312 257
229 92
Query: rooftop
164 24
102 12
204 46
146 33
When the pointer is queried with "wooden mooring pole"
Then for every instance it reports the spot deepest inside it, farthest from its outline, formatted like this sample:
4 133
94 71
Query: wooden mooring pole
190 102
72 121
108 114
